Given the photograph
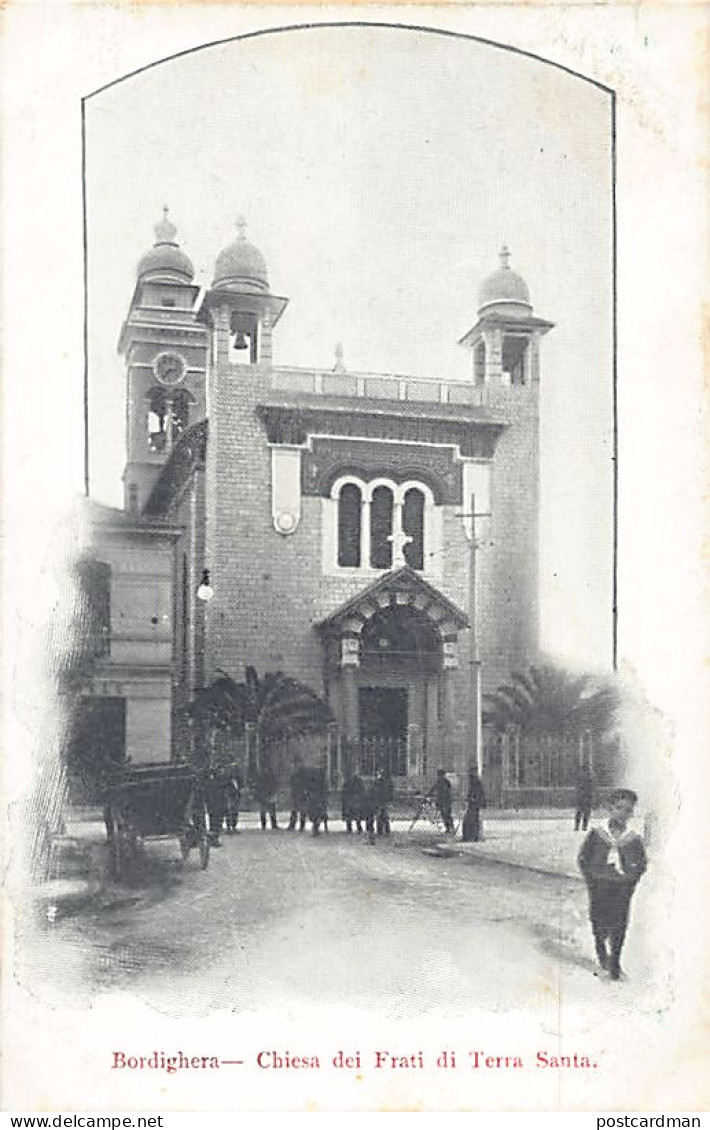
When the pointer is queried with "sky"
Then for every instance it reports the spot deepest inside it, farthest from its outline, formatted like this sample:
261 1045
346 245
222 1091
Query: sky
379 172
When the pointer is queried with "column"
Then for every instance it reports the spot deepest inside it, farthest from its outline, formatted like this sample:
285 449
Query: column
350 661
266 351
533 358
448 756
453 753
433 742
168 425
494 355
365 534
220 325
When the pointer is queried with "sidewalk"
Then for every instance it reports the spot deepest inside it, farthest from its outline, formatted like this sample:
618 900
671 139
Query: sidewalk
537 840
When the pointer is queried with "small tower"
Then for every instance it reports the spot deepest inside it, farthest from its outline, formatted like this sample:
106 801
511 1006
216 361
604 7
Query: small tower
505 340
505 347
239 305
165 351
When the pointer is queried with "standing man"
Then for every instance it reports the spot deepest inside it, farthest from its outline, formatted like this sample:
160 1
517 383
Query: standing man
299 796
442 798
265 789
612 860
383 796
475 801
352 798
232 796
584 798
216 807
318 800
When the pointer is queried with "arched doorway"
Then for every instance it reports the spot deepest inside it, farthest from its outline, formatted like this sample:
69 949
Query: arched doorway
390 654
400 652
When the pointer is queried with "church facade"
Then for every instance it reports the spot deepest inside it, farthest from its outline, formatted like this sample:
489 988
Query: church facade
373 535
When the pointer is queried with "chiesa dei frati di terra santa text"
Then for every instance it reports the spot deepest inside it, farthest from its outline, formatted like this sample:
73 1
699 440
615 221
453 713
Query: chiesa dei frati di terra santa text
332 510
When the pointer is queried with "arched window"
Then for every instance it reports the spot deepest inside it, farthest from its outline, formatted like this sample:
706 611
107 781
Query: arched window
157 420
382 524
381 513
349 524
168 417
181 411
413 526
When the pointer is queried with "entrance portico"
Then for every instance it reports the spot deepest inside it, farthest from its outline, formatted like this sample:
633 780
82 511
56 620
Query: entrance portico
390 654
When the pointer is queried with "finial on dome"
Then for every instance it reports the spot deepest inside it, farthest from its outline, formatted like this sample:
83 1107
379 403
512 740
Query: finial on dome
165 230
339 366
505 257
242 227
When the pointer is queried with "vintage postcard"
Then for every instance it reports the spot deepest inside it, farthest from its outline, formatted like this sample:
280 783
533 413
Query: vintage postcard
355 609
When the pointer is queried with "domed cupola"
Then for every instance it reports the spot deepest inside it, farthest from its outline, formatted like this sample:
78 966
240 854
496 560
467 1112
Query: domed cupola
240 267
504 291
166 262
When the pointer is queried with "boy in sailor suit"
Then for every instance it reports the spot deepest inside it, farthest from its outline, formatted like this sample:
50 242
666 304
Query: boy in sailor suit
612 860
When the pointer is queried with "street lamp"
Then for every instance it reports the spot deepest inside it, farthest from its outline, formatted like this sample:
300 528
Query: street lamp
205 592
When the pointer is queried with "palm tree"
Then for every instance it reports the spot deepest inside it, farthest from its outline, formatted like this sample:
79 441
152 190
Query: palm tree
276 705
552 700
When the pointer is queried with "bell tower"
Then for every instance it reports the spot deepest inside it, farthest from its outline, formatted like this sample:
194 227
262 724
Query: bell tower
505 341
240 312
239 306
165 352
505 348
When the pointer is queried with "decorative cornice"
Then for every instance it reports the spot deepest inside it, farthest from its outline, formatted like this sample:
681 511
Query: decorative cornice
330 458
474 431
403 587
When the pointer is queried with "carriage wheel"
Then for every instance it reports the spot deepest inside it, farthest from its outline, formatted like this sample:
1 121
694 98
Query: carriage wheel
204 848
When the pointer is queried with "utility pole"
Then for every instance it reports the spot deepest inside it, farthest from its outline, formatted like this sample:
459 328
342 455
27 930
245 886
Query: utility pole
475 689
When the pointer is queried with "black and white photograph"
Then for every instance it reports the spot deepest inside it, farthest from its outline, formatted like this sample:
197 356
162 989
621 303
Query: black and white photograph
354 757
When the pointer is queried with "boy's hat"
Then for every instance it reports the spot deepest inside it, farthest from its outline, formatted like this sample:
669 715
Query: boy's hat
623 794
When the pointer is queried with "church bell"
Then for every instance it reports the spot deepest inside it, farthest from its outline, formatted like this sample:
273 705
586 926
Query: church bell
240 342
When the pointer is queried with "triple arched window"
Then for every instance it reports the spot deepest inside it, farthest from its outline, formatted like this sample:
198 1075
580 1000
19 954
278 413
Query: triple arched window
382 524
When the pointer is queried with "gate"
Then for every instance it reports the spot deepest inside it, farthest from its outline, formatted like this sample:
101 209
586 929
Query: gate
370 756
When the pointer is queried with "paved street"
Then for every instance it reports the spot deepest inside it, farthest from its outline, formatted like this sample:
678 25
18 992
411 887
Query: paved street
288 917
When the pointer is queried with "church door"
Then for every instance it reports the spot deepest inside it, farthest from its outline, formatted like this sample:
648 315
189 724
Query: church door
383 712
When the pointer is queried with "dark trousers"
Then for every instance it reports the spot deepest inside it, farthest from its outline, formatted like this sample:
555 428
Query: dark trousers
298 816
471 830
447 818
232 817
216 820
268 809
317 818
581 818
609 904
383 822
350 820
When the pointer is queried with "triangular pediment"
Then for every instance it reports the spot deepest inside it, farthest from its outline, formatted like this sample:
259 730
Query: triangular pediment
400 588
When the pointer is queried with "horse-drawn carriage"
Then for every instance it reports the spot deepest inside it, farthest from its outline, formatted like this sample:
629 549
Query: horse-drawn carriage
157 802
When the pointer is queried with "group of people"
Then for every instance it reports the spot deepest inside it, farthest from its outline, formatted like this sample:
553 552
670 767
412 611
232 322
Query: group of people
368 805
309 799
365 805
471 830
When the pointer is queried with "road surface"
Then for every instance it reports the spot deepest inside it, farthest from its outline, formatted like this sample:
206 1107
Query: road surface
288 917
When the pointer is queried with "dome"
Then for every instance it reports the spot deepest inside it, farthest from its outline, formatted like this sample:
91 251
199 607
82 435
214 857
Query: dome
241 266
504 287
165 262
